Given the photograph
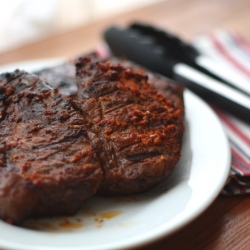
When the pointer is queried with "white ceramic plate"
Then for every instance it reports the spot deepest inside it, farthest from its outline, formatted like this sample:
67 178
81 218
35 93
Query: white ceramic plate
121 223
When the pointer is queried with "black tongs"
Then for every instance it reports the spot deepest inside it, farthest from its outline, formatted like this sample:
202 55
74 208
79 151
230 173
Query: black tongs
166 54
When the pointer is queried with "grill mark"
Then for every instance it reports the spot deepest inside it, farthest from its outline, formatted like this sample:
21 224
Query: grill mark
80 111
97 153
66 140
127 104
57 144
56 151
58 148
150 125
141 106
100 82
101 108
142 156
114 103
3 157
91 90
119 108
114 156
100 103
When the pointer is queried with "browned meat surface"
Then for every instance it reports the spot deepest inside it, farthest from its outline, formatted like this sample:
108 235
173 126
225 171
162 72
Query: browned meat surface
136 132
120 136
43 150
17 196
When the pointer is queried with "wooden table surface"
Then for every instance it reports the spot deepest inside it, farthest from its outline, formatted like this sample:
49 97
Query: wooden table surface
226 223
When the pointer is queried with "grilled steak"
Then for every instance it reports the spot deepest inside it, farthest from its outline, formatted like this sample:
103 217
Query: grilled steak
119 137
136 132
44 151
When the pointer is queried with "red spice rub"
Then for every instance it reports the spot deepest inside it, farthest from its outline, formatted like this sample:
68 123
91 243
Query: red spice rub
120 137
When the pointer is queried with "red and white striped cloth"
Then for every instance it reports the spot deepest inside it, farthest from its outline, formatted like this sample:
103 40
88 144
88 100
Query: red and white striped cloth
232 50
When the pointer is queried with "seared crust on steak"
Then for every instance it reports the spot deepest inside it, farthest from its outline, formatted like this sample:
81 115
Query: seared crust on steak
137 132
119 137
43 145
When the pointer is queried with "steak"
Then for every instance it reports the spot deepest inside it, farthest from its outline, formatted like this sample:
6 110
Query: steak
137 133
44 151
120 136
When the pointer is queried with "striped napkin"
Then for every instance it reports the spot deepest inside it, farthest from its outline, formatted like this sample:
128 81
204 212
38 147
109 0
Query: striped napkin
233 51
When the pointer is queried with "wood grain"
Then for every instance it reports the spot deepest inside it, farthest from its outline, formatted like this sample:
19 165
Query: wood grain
226 223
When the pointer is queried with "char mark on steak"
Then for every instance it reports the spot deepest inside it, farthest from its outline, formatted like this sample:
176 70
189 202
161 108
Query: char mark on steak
44 150
120 137
137 132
